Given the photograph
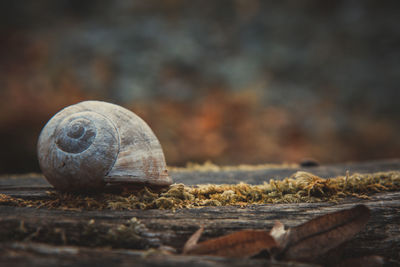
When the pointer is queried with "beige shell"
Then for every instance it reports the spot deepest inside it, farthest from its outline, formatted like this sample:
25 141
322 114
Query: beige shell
92 143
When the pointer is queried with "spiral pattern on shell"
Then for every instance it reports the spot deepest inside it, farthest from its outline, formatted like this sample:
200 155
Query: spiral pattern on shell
78 149
75 135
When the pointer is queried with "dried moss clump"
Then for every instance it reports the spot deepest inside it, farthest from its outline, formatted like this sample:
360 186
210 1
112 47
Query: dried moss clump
300 187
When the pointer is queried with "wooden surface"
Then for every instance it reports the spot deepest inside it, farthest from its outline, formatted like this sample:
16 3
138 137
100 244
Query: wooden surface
41 237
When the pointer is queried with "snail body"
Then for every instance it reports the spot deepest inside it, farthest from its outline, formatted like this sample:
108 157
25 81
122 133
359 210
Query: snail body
92 143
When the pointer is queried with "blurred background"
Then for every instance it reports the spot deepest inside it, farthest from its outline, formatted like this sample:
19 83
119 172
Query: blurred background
244 81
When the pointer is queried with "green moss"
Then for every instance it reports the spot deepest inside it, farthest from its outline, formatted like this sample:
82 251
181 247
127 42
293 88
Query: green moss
300 187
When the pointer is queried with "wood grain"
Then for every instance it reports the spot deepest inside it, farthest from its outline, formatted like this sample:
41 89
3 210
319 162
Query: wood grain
41 237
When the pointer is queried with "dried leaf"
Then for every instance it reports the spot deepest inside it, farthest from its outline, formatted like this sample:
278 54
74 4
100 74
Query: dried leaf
240 244
317 236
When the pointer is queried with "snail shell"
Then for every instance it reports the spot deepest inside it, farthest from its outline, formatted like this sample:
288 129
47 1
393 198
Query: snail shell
92 143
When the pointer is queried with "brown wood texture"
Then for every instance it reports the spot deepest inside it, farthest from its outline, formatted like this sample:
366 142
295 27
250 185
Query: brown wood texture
41 237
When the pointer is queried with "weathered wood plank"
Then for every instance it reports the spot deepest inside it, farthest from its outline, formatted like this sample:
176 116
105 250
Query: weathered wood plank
261 175
168 228
33 254
42 237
